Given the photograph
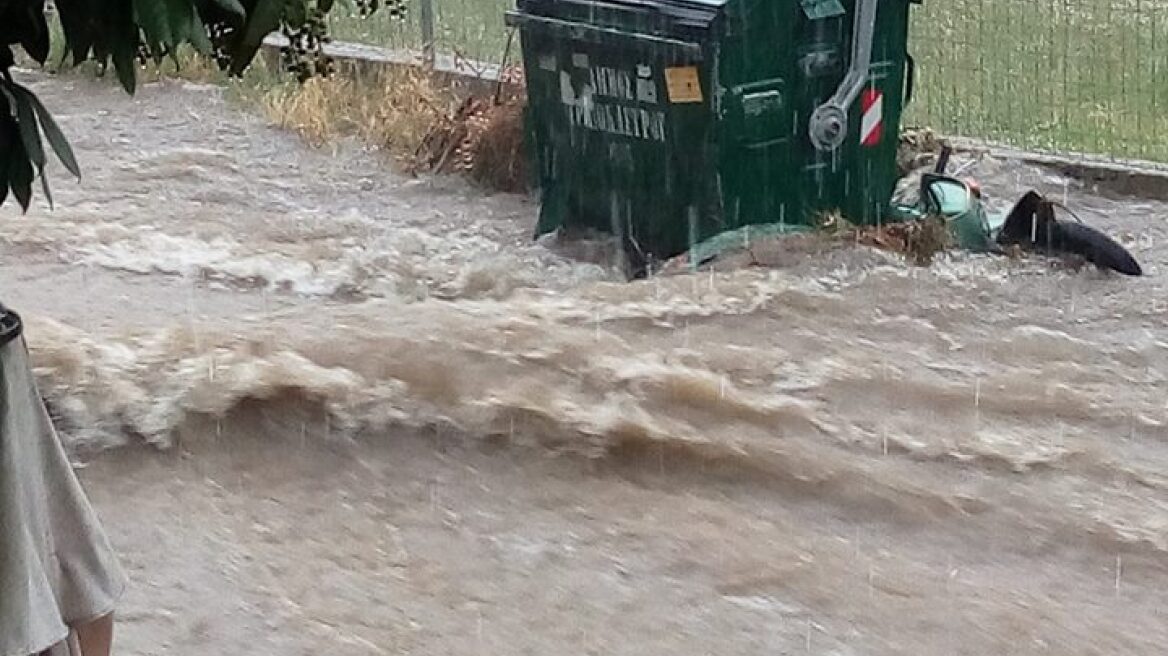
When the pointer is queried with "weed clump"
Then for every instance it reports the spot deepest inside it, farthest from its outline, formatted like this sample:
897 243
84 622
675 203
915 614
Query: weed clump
483 138
393 110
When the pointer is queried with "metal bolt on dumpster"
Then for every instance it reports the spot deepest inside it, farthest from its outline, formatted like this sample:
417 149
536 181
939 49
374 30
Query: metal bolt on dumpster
668 122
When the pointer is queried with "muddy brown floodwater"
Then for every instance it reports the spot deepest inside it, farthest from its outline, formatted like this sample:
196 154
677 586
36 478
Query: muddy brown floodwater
327 409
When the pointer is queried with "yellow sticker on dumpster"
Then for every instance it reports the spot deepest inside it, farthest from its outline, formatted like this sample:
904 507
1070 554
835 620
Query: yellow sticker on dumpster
683 84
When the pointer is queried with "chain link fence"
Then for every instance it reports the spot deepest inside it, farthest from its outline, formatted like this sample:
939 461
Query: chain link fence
469 29
1083 77
1071 76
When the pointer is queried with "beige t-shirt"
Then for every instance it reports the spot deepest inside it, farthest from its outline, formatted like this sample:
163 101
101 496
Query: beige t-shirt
57 568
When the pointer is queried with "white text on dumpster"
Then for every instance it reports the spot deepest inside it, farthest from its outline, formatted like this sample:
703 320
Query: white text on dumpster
585 111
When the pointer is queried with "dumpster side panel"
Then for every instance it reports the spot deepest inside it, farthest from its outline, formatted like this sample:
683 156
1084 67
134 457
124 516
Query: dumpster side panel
825 42
622 132
857 179
780 62
757 134
875 126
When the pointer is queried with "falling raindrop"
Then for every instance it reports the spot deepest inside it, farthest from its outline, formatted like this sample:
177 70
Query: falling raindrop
693 239
1118 571
952 574
85 286
977 403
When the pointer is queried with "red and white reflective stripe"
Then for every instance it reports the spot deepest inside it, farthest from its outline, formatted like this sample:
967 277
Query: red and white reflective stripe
872 125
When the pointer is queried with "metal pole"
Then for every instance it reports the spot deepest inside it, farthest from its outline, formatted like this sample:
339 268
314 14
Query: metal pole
426 18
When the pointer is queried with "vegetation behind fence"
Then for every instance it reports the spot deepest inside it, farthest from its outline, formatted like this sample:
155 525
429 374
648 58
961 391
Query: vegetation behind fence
1077 76
1085 76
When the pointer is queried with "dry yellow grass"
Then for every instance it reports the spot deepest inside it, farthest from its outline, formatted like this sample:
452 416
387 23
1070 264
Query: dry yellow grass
190 66
500 156
421 122
393 111
482 138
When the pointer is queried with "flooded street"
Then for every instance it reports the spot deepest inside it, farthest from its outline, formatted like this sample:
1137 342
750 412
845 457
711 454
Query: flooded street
325 408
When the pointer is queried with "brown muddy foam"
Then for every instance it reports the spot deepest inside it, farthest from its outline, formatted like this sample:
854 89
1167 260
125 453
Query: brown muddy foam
845 451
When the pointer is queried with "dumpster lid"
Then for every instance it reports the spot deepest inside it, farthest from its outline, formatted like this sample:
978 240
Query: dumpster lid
698 13
648 3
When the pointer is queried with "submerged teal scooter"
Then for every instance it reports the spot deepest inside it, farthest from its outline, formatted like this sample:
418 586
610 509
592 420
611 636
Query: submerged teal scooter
1030 225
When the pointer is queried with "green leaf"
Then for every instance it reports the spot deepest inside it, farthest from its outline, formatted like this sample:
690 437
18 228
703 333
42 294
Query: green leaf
295 13
3 181
118 39
9 100
153 17
7 60
76 22
45 188
186 25
101 55
125 56
199 39
179 13
20 175
30 136
35 34
52 131
5 155
232 6
263 20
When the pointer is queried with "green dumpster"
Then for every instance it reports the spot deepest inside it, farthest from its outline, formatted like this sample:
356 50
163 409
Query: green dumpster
668 122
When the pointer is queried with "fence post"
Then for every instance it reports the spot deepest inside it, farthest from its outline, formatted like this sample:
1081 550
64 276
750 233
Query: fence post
426 18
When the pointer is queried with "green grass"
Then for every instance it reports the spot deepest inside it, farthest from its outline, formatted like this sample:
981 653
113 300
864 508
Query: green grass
471 28
1086 76
1082 76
